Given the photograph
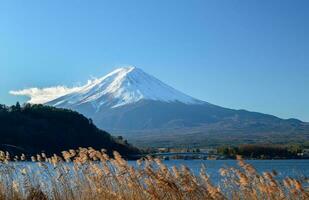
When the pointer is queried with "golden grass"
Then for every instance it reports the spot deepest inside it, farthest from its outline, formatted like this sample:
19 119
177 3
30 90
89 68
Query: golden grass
94 175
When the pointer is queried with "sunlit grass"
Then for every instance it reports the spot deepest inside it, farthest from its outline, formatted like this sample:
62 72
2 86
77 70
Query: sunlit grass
92 174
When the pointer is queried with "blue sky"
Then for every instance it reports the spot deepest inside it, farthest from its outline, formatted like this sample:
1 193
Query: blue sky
237 54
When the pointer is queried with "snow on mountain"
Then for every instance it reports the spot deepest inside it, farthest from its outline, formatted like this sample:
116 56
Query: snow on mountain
121 87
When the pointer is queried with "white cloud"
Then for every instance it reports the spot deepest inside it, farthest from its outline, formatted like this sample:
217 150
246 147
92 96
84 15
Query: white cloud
43 95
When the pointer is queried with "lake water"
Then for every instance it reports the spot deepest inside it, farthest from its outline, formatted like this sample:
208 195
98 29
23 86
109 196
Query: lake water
285 168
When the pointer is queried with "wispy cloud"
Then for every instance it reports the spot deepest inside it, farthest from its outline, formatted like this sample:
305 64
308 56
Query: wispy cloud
43 95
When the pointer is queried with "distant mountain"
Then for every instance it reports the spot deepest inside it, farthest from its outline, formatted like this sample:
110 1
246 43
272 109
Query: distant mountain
122 87
36 128
130 102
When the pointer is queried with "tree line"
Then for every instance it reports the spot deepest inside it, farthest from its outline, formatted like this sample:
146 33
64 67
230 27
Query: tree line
262 151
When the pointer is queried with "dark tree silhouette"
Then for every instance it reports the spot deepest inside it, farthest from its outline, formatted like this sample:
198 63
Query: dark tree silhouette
37 128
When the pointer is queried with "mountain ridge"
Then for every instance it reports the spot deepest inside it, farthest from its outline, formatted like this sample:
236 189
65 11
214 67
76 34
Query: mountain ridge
128 101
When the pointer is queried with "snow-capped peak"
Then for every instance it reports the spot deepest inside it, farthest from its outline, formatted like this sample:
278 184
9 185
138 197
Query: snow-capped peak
124 86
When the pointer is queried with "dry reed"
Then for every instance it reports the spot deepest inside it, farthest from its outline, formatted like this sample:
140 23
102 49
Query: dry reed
92 174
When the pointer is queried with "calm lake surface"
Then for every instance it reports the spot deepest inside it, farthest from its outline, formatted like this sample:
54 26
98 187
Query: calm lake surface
285 168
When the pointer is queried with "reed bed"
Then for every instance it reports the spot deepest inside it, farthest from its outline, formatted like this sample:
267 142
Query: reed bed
88 174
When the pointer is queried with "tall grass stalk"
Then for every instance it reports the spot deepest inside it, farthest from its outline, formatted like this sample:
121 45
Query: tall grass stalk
89 174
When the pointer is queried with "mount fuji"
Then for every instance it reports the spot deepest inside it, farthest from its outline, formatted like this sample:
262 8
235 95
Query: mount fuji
134 104
121 87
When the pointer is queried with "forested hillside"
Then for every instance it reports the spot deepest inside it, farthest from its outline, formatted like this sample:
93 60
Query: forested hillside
36 128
